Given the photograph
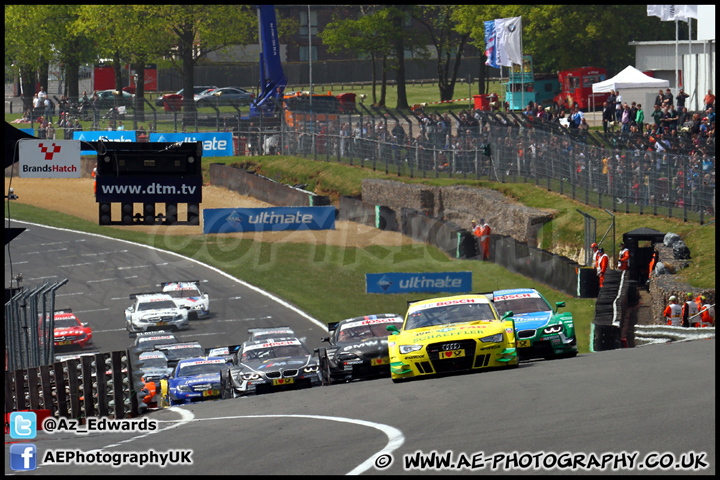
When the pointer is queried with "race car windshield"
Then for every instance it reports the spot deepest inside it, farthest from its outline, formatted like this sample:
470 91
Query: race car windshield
521 305
154 363
160 305
66 322
449 314
274 352
184 293
361 332
200 369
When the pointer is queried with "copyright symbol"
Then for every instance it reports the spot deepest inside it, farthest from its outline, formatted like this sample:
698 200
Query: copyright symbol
49 425
383 461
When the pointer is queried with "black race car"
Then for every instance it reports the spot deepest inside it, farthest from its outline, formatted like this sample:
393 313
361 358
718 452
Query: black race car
358 348
263 366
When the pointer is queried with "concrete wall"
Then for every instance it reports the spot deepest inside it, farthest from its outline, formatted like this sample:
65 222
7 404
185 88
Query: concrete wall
461 205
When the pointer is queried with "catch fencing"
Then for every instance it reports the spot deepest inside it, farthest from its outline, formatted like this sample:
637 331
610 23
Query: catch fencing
615 171
29 327
611 171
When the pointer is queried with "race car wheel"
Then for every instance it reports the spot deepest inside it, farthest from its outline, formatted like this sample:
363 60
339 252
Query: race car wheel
324 366
226 388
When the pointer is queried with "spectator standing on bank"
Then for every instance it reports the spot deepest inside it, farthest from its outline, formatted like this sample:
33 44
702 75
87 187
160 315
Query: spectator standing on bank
673 312
688 310
611 102
709 100
681 96
625 119
607 116
667 98
658 115
120 127
659 98
640 118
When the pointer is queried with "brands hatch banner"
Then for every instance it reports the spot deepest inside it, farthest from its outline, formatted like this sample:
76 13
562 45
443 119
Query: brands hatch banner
107 136
49 158
274 219
216 144
451 282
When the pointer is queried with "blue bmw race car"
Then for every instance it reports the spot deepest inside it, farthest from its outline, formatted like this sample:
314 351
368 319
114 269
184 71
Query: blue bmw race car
540 330
198 379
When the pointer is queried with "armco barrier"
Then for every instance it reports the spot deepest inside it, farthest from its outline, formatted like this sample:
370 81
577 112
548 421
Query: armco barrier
263 188
556 271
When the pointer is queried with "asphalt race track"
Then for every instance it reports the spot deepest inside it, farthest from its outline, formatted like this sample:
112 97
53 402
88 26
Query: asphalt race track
629 409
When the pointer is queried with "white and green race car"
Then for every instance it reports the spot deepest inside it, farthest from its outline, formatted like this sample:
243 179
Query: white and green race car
540 330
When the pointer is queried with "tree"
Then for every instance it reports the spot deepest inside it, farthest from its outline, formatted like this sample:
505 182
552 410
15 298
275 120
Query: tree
442 29
128 34
367 36
196 30
38 34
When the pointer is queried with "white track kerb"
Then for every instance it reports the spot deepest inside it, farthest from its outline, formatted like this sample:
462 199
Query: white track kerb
395 436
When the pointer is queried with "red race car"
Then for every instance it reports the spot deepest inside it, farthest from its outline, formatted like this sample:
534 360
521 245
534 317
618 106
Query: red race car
69 332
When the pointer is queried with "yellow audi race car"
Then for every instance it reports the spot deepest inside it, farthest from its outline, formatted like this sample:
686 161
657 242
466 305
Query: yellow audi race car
451 334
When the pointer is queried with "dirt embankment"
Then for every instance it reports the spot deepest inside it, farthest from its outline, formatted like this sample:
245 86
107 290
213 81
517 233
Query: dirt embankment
75 197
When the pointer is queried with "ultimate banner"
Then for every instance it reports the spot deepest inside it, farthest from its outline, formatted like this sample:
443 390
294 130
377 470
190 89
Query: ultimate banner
435 282
275 219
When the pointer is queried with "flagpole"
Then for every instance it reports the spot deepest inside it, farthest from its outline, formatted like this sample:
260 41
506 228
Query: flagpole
690 48
677 56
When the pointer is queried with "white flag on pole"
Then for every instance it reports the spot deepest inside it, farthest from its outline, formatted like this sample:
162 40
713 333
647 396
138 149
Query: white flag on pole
513 39
501 54
670 13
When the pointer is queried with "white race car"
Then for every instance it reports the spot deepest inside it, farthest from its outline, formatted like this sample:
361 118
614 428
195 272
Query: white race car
187 295
154 311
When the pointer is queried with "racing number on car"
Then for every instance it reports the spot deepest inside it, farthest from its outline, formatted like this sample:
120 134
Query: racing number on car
452 354
283 381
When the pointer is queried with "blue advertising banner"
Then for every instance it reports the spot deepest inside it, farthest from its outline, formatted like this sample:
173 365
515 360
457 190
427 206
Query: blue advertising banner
108 136
274 219
148 189
394 282
215 144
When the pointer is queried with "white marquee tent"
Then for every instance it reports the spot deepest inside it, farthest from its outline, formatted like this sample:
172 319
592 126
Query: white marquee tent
634 86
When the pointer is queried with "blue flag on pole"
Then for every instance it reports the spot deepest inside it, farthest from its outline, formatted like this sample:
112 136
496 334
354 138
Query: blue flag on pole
490 50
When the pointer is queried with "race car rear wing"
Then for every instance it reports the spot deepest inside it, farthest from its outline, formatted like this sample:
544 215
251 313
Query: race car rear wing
489 295
62 310
226 352
163 284
133 296
264 329
332 326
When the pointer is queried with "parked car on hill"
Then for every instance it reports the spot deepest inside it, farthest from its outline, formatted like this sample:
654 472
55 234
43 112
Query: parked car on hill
225 96
196 90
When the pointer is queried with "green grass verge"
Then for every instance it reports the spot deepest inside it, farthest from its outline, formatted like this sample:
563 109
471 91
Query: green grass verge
327 282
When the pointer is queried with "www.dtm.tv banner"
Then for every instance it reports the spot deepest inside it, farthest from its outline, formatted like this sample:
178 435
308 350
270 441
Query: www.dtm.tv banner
435 282
274 219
